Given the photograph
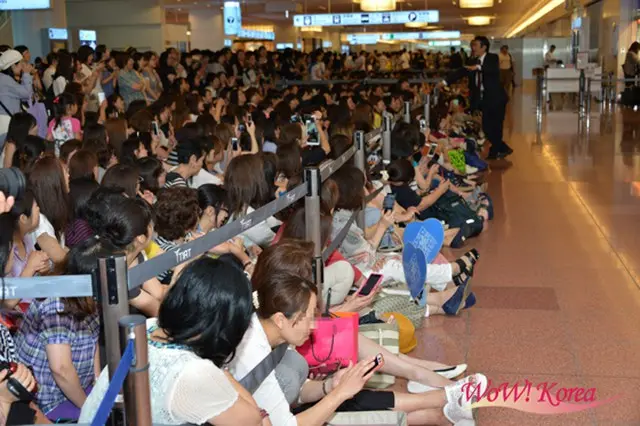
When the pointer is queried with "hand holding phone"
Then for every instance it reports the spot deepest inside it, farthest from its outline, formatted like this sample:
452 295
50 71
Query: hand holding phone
370 285
378 362
388 203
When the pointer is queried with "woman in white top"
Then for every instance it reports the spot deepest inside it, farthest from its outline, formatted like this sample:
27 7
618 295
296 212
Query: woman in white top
285 314
49 181
64 73
201 322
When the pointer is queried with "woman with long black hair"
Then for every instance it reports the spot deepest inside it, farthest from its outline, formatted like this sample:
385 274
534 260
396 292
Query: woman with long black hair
201 322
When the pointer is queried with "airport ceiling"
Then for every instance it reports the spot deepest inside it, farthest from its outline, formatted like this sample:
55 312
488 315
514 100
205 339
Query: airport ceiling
504 12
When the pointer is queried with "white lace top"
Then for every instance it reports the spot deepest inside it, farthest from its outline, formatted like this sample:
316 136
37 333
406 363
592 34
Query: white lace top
184 387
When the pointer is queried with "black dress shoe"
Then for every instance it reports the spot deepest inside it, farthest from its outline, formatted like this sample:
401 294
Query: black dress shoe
507 150
495 156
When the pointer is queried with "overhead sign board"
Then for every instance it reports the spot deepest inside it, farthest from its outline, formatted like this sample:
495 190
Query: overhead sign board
363 38
232 17
416 35
256 35
364 18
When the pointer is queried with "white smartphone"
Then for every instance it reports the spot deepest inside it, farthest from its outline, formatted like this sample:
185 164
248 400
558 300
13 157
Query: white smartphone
101 97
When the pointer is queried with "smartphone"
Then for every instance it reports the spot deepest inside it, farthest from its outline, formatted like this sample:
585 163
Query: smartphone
417 156
155 128
101 97
372 282
378 362
432 150
388 203
313 138
434 160
423 124
242 128
295 118
234 144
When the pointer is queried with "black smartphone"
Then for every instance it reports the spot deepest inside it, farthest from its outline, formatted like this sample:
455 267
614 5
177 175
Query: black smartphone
371 283
377 362
242 127
234 144
388 203
155 128
417 156
295 118
37 247
434 160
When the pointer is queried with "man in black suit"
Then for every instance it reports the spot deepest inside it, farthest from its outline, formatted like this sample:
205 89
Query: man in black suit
487 94
455 60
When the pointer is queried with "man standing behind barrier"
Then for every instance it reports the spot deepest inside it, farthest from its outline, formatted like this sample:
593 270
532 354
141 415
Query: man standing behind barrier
487 94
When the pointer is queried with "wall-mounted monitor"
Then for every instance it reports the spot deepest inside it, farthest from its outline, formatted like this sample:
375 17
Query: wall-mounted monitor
88 38
367 18
283 46
58 34
24 4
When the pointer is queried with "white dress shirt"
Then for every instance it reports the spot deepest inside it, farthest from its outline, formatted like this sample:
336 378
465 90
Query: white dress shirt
253 348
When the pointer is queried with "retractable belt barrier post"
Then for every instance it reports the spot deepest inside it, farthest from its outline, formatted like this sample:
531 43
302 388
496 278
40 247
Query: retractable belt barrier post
360 160
387 124
313 232
114 300
427 108
407 112
137 394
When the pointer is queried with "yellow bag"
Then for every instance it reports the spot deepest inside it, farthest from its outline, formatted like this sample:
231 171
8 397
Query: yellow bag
407 340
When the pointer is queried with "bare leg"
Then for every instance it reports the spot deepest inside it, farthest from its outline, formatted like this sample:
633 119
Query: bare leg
449 235
431 365
400 367
432 416
408 402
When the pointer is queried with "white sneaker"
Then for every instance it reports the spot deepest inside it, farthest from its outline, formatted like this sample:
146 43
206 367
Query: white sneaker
471 170
458 415
453 372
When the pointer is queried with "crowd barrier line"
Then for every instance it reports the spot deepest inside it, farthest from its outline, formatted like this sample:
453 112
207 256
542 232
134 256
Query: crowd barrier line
123 334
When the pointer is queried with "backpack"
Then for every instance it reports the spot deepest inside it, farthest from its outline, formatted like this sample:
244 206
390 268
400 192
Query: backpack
454 210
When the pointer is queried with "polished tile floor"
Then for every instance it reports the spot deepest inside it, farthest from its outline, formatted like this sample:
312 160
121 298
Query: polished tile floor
557 284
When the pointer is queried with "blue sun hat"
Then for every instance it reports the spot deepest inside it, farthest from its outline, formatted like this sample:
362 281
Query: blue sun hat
427 236
414 265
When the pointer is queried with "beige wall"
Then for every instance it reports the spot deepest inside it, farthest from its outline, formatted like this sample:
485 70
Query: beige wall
120 24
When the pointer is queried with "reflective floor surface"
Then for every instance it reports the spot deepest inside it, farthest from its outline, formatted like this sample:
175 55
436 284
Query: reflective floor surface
558 283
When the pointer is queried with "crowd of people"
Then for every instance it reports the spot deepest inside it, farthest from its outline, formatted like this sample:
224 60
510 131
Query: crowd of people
135 153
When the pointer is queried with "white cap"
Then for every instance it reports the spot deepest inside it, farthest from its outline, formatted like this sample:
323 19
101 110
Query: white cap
8 58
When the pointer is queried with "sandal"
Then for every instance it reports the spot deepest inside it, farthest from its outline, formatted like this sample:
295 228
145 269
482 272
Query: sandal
472 256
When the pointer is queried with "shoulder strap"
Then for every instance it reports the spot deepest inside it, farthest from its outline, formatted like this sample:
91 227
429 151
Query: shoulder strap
254 379
6 109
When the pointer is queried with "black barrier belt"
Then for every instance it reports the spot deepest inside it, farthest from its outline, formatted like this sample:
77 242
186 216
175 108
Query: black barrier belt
45 287
327 169
153 267
373 195
365 81
340 237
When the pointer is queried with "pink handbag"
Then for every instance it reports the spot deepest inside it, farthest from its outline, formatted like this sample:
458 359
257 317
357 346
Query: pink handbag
332 344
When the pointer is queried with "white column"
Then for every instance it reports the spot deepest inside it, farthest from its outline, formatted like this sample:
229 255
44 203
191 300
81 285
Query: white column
207 29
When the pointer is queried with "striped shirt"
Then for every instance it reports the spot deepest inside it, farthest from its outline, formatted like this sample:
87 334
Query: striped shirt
44 325
175 180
